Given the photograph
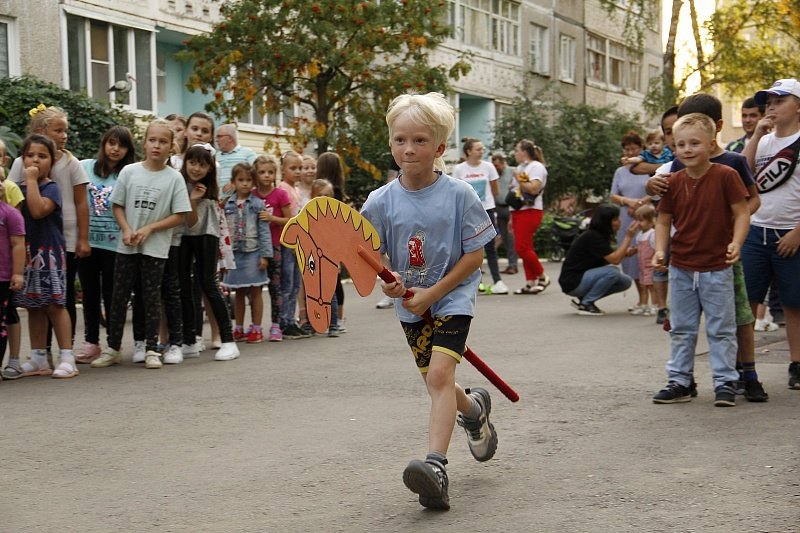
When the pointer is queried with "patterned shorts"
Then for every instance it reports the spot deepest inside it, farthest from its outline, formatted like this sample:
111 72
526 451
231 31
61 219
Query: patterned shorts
448 334
744 313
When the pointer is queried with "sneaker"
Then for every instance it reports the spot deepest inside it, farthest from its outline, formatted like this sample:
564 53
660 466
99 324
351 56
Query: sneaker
499 288
674 392
239 335
333 331
308 330
428 479
139 351
661 315
255 337
766 325
481 436
227 352
589 310
88 353
693 389
385 303
190 351
152 360
482 287
201 344
173 355
107 357
342 326
275 333
725 395
754 392
293 331
794 375
637 309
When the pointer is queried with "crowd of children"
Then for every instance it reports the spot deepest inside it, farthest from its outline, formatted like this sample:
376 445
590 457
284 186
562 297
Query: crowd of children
160 233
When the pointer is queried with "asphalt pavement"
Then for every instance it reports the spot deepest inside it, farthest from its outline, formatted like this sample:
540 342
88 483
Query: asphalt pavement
313 435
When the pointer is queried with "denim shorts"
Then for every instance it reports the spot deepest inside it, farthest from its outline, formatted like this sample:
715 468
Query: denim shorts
762 263
448 334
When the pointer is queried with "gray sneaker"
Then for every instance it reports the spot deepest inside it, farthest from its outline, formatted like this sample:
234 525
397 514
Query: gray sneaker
481 436
428 478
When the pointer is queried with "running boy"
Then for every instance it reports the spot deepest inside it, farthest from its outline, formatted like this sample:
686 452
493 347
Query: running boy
707 203
433 228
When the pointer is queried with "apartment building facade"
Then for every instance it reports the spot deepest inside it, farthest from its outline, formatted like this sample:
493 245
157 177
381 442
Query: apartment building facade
573 47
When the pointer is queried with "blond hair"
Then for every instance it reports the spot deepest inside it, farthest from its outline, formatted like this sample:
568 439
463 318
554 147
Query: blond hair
266 159
321 187
697 120
41 117
431 110
654 134
646 212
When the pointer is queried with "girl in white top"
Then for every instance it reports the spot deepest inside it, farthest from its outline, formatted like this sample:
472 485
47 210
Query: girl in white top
483 177
530 178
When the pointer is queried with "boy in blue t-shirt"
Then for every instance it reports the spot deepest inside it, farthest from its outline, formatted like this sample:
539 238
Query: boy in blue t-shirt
432 229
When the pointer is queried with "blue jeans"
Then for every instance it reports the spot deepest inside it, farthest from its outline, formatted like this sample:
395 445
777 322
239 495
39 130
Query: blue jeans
691 293
290 285
599 282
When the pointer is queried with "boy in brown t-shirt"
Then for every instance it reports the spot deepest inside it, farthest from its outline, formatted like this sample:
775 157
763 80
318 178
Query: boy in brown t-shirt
707 203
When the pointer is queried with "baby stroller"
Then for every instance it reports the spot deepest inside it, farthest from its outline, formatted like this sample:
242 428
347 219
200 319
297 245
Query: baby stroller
565 230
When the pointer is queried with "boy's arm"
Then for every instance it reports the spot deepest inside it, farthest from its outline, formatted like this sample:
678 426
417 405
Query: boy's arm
82 248
754 201
763 127
645 168
663 223
741 225
424 298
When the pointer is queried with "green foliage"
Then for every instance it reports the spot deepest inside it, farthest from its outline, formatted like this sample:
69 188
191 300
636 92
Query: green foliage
88 118
755 43
342 59
581 143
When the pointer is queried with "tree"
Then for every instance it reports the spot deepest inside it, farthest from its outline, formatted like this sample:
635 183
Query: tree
755 42
580 142
341 59
88 118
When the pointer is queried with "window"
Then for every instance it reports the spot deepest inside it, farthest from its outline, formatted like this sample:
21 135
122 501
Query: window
488 24
612 63
596 58
9 50
566 59
278 121
100 54
634 72
617 70
540 61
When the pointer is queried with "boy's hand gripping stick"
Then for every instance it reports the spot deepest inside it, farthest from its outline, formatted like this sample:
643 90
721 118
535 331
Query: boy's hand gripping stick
468 354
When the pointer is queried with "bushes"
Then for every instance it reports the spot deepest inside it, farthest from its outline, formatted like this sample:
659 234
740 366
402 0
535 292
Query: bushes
580 142
88 118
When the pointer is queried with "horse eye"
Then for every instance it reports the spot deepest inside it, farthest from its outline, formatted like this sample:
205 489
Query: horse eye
311 264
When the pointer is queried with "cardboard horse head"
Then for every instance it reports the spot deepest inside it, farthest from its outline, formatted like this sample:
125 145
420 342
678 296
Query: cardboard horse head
324 234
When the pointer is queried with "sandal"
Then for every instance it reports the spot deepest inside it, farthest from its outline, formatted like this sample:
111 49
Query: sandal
12 372
30 369
65 370
510 271
528 289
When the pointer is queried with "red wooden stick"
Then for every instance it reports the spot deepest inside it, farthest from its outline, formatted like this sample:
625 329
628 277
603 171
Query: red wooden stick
469 355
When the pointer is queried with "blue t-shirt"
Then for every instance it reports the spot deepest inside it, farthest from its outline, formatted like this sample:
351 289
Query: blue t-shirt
426 232
737 162
103 228
665 157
